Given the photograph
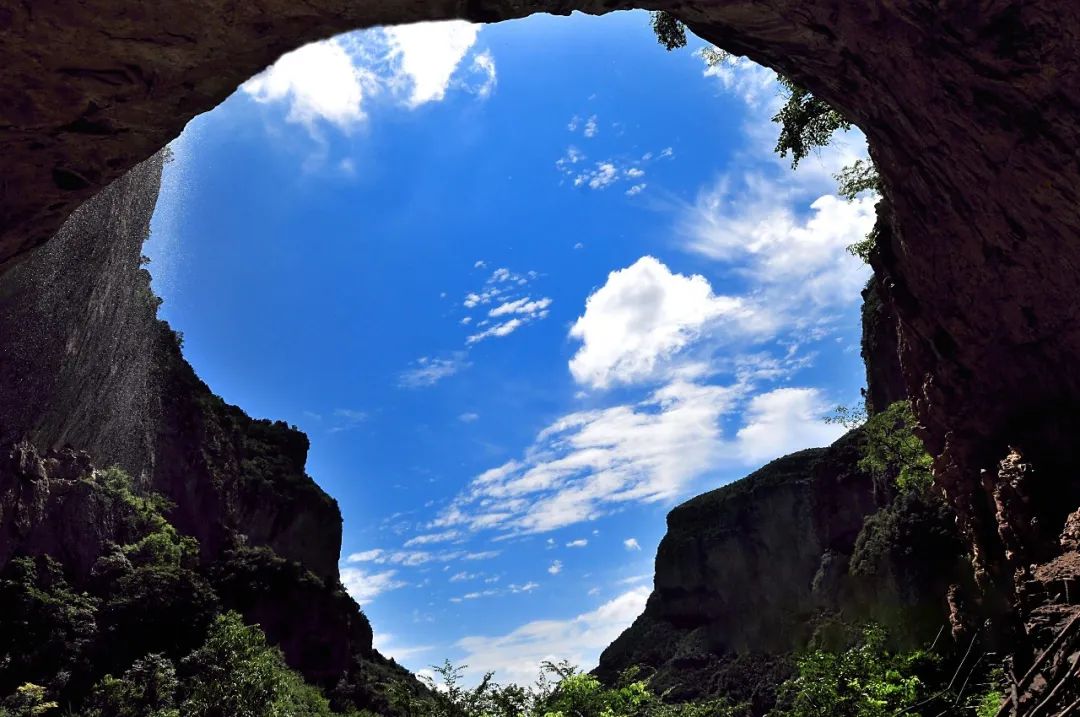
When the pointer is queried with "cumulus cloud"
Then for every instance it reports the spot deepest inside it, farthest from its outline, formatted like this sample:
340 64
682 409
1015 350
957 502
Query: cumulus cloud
504 329
644 315
555 568
333 80
516 656
631 544
428 53
579 543
785 420
319 82
591 128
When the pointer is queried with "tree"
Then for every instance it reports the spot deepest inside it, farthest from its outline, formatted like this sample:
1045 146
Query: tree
147 689
866 680
236 673
670 31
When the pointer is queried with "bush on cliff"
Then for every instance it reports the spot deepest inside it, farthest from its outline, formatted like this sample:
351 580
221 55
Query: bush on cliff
145 608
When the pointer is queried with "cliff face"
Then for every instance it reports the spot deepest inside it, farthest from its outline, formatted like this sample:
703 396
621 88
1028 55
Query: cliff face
754 571
85 362
791 556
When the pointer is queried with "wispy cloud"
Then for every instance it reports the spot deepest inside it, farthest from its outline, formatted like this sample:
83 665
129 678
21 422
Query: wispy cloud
365 586
631 544
428 371
516 655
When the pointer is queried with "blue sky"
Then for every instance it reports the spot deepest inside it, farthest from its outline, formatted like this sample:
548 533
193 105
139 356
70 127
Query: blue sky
526 287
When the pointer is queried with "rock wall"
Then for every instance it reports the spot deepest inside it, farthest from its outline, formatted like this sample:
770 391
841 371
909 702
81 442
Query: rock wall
86 363
791 555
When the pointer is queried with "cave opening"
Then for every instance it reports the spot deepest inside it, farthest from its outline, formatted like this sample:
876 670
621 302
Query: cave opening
286 242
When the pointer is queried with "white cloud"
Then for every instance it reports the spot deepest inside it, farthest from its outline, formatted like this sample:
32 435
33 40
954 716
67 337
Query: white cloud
516 656
591 128
555 568
524 306
641 317
347 419
365 557
429 371
365 587
631 544
592 462
319 81
636 189
387 645
429 53
756 85
334 80
579 543
605 174
498 330
428 539
785 420
526 588
799 265
635 173
469 417
484 64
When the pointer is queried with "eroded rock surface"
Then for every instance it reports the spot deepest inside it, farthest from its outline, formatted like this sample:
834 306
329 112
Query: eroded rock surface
754 571
85 362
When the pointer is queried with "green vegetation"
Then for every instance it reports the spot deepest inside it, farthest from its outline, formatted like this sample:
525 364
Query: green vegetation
894 453
670 32
560 691
144 612
865 680
807 123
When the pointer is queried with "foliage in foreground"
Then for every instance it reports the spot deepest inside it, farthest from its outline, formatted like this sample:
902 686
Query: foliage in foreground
560 691
892 452
868 679
143 635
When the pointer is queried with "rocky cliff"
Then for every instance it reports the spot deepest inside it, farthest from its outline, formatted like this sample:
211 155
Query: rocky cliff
792 556
86 363
785 558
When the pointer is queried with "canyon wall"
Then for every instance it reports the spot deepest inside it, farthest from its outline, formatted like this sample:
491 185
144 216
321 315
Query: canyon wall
792 556
91 378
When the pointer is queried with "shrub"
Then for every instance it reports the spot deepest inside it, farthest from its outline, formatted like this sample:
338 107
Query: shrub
894 453
866 680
